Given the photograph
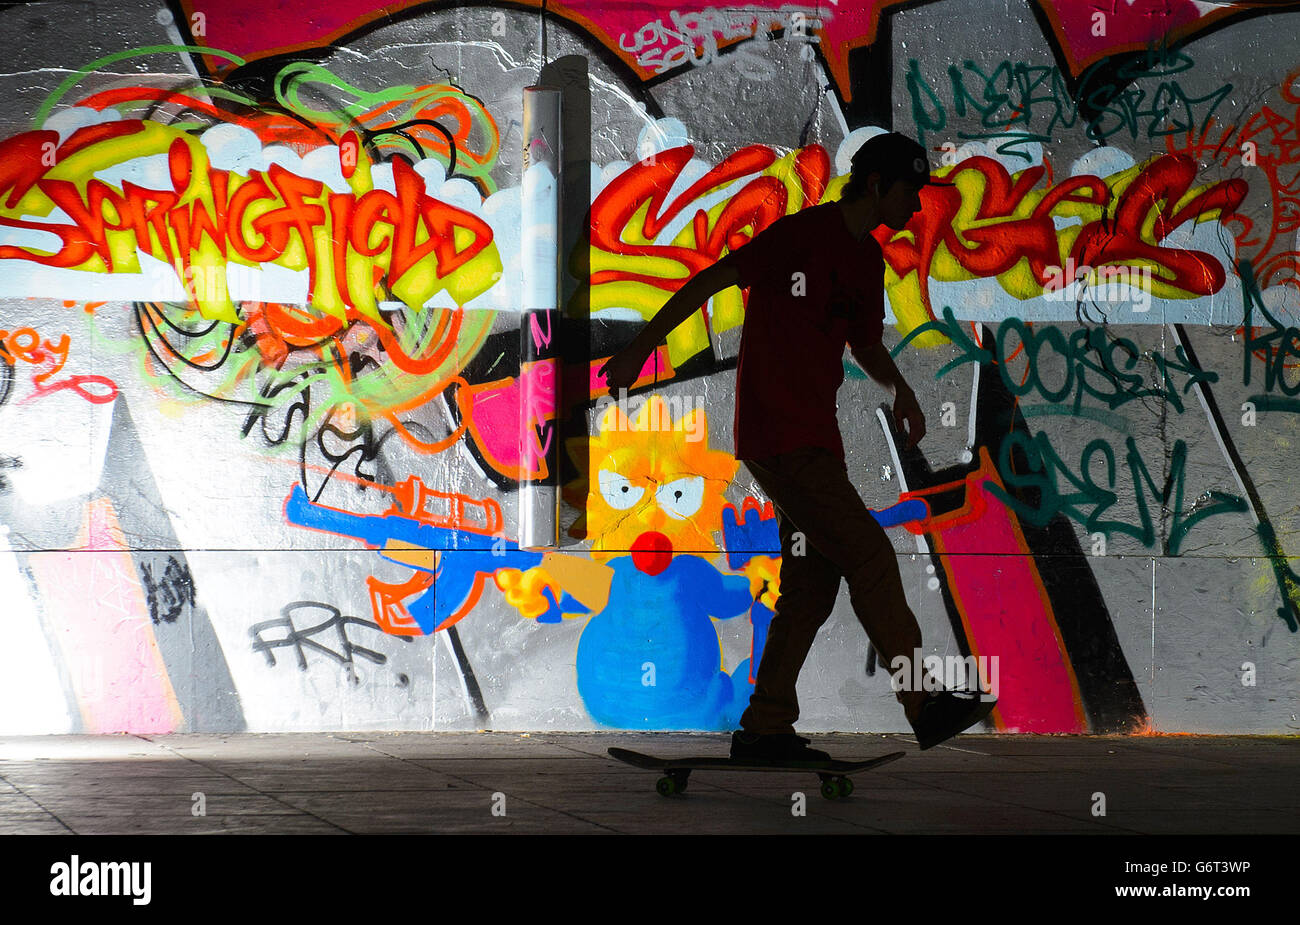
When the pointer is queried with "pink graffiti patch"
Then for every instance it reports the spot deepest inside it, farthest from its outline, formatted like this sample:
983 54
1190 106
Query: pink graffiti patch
252 29
1089 32
96 609
495 419
1008 616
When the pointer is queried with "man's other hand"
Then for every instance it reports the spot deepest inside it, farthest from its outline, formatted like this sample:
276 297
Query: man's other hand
906 408
623 369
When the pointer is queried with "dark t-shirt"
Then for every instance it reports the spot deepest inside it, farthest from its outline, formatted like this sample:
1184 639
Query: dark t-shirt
792 345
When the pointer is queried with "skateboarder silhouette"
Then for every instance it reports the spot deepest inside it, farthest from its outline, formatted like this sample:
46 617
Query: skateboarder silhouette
816 282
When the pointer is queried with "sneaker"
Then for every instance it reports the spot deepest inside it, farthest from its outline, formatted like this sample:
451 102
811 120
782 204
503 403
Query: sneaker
946 713
776 748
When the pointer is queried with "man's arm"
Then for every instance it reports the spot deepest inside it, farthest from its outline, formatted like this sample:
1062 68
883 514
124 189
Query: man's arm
879 365
623 368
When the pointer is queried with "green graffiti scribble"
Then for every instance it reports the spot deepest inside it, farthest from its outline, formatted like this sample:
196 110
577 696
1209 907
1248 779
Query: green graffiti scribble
1085 501
1082 499
1021 102
75 77
1113 421
1279 344
1096 362
291 91
970 352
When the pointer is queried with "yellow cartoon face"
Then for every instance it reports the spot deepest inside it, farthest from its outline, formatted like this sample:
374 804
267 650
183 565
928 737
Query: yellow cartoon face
649 482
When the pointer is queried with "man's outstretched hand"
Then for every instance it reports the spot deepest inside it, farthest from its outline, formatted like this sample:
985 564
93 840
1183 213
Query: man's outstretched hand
907 408
623 369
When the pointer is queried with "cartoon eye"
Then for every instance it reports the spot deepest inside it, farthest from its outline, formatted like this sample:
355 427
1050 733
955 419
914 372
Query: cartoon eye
617 491
681 498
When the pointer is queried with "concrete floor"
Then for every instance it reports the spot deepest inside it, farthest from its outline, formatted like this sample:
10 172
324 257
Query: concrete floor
389 783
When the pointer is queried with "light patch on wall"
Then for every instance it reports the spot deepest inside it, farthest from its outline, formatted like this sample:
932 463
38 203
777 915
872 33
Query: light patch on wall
31 697
61 440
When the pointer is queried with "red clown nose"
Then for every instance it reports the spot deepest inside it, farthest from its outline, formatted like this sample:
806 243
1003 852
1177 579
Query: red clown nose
652 552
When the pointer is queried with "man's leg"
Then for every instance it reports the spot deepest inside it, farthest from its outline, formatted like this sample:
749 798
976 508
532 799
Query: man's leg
812 490
809 585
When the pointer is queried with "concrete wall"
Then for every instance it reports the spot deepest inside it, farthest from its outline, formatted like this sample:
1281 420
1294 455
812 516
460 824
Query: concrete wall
268 396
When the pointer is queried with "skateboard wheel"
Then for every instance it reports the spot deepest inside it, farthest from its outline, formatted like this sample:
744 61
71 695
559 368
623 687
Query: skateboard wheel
846 787
830 789
672 783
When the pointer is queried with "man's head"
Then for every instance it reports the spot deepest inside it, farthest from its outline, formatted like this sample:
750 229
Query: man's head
890 168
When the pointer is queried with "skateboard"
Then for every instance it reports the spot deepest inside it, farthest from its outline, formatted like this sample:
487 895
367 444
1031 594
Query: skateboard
834 775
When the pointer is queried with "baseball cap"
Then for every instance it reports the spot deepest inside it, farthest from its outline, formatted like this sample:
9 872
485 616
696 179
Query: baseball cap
895 157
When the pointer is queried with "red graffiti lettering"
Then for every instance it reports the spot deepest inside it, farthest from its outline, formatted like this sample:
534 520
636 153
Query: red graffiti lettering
995 240
401 231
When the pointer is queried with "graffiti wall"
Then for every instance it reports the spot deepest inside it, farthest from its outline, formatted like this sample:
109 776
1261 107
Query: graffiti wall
282 367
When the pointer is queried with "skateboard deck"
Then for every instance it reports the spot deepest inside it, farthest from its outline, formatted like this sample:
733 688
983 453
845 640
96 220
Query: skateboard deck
834 774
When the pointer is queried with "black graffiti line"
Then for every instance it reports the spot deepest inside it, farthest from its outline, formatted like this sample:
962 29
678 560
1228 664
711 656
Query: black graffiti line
174 590
299 638
468 680
148 343
230 340
1287 580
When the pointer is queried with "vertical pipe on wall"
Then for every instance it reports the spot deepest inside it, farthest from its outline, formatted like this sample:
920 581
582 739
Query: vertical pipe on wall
539 378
